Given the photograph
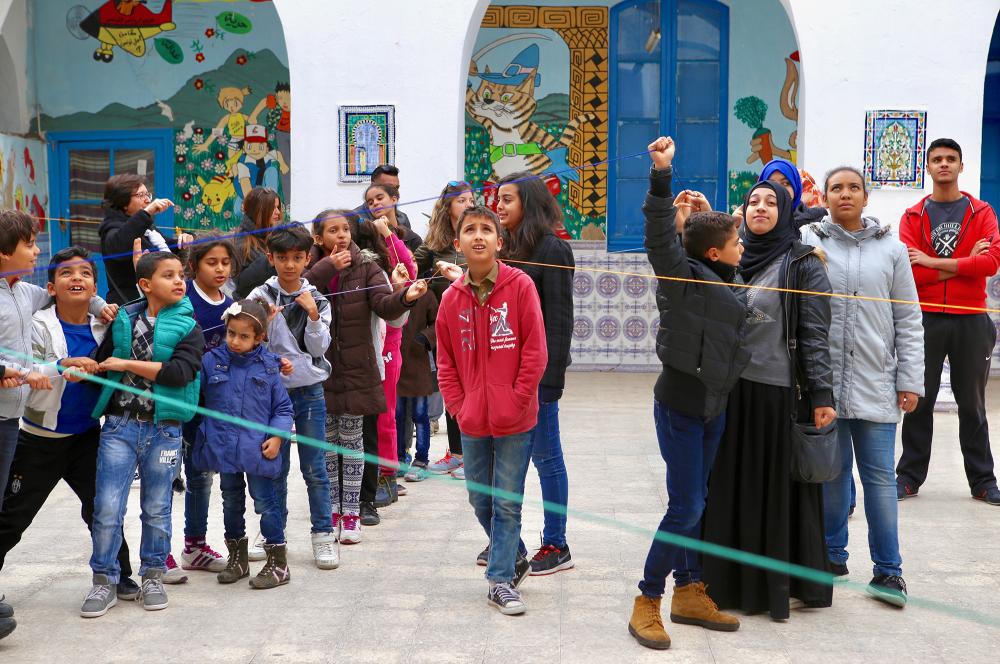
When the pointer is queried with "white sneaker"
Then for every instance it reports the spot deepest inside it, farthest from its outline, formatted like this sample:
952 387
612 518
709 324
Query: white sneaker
256 551
174 574
459 473
326 551
350 529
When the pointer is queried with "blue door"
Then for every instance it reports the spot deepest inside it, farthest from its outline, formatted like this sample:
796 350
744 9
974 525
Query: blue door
669 76
80 163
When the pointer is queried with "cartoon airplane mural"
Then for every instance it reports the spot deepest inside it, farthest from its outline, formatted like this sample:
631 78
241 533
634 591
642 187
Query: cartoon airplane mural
126 24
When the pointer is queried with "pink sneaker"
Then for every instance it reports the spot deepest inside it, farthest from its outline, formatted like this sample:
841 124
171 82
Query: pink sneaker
202 558
174 574
337 524
350 529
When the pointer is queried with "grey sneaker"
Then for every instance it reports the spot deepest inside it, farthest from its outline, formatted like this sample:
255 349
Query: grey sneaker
100 598
153 595
505 599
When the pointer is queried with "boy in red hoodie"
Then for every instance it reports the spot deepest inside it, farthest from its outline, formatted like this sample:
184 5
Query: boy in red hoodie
491 357
954 247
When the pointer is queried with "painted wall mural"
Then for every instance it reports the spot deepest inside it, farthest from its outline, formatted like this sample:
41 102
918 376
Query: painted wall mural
764 74
214 71
24 186
537 101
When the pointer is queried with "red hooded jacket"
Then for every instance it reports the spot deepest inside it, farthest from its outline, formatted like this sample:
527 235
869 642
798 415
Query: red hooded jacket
968 288
491 357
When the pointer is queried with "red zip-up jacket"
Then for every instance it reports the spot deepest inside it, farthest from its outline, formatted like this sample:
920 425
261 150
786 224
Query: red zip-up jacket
968 288
491 357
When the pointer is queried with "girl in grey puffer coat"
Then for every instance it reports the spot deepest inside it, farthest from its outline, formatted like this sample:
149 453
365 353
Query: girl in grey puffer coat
877 351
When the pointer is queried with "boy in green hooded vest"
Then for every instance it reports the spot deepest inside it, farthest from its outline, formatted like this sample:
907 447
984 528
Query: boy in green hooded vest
154 353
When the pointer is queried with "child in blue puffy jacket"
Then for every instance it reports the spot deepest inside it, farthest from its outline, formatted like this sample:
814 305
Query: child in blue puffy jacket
242 379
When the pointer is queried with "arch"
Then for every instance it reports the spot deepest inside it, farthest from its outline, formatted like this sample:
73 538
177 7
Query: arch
989 186
12 101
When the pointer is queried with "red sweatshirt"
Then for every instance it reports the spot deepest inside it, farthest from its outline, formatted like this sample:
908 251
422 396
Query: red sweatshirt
491 357
968 288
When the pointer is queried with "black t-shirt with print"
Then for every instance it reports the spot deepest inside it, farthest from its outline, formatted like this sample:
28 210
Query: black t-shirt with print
946 224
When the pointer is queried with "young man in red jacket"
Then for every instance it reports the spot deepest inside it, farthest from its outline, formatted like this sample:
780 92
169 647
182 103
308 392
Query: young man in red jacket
491 357
954 246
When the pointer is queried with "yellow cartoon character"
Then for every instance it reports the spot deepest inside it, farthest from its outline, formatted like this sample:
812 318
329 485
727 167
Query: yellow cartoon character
216 192
126 24
231 128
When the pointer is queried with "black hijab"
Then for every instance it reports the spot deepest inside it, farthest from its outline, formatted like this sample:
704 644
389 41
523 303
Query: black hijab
760 250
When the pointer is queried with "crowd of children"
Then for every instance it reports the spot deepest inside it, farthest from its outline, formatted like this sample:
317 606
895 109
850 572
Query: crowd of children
342 336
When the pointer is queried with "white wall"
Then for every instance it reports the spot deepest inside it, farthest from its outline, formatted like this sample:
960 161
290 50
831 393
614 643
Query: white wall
891 54
14 113
409 54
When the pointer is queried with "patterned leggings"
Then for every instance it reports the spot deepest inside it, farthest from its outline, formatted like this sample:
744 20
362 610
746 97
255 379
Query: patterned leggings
344 431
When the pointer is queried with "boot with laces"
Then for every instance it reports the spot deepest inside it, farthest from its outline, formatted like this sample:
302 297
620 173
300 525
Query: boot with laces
691 605
238 564
275 571
646 624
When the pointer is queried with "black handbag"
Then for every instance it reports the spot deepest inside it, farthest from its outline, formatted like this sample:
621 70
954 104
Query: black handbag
815 453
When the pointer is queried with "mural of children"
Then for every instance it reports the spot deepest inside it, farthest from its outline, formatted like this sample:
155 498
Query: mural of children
280 100
231 127
259 166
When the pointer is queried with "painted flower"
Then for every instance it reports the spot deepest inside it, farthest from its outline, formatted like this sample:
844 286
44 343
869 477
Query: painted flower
180 148
195 189
220 169
181 181
188 213
210 33
181 159
199 57
219 156
200 208
190 167
241 59
228 214
199 131
206 164
198 84
187 196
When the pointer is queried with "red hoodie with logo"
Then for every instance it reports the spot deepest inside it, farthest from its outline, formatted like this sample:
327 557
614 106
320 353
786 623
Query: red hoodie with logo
491 356
968 287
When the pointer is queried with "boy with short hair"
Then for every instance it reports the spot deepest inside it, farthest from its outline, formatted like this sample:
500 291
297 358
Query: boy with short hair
700 342
59 437
300 332
491 357
154 352
19 300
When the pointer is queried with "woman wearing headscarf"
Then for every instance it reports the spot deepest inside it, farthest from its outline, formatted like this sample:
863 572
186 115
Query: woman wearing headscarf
806 202
753 504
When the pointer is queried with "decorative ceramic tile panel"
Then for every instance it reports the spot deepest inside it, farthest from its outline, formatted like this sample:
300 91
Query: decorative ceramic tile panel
894 149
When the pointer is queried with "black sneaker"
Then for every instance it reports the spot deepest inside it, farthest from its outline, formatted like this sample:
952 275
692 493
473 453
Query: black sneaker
989 496
904 491
127 589
483 558
838 569
889 589
522 568
385 494
850 512
178 485
6 610
551 559
505 599
369 515
7 625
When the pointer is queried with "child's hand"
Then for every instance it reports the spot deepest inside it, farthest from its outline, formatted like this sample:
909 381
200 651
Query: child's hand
307 301
112 364
416 290
272 311
158 205
10 382
271 447
137 251
449 271
38 381
84 364
286 366
382 226
341 259
184 239
109 313
662 152
400 275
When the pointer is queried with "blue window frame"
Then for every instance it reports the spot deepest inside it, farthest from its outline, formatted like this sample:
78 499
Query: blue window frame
676 85
80 162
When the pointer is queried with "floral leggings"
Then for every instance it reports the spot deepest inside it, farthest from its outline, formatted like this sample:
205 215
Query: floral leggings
345 431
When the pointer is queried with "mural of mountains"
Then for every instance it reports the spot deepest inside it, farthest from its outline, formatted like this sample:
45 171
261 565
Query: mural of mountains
260 73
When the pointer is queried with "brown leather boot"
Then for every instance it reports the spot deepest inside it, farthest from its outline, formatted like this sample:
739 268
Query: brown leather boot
692 606
237 567
274 573
646 624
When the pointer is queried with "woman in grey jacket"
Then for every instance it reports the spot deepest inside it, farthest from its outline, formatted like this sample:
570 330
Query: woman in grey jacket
877 350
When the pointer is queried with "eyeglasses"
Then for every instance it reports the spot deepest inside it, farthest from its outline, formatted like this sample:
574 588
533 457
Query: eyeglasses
143 195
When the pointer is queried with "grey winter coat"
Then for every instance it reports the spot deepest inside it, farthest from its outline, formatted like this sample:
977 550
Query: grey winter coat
877 348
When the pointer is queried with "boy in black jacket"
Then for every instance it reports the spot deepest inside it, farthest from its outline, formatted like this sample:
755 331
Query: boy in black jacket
700 342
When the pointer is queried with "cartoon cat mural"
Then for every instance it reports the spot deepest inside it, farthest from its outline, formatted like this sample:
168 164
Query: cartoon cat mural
503 104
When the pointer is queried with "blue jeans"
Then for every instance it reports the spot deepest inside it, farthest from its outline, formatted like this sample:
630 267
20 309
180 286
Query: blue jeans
310 422
498 463
125 445
688 446
9 429
197 496
266 503
874 444
547 455
410 411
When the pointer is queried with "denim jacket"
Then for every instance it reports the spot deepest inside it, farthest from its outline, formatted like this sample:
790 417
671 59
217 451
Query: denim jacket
247 386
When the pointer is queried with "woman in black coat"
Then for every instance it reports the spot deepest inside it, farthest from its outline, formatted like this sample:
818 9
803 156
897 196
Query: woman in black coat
128 214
